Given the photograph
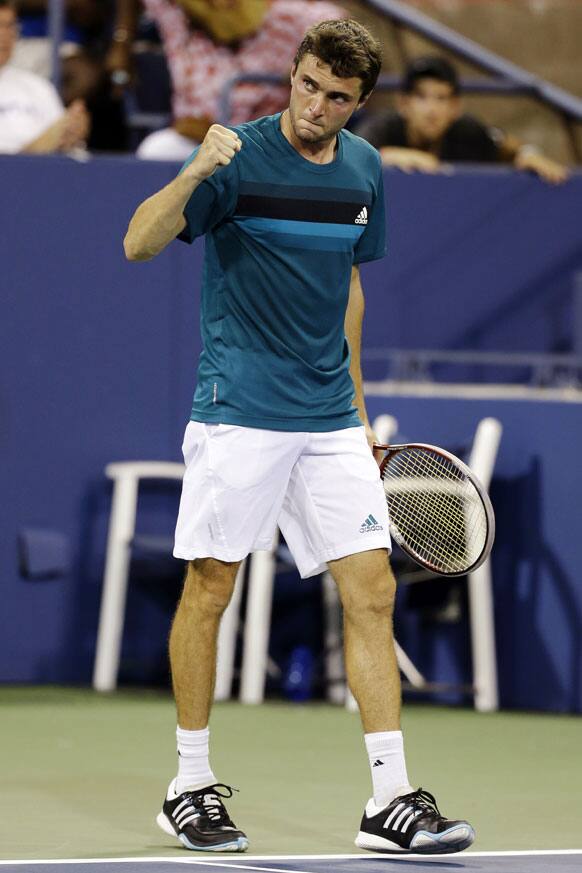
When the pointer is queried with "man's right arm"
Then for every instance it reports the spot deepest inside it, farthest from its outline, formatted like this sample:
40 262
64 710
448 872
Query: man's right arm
160 218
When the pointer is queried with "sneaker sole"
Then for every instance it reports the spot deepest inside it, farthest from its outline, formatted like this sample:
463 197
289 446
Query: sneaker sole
241 844
423 843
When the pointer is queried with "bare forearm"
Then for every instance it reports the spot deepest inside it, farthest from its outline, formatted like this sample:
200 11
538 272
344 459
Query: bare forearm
159 219
44 144
353 329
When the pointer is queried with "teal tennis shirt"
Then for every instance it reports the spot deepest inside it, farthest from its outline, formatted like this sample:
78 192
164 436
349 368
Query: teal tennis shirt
282 234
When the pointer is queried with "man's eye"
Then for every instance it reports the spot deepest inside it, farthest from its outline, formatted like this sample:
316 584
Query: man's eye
308 84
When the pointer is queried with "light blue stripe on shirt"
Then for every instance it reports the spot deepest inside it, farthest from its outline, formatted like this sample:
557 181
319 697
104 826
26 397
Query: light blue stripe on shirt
302 228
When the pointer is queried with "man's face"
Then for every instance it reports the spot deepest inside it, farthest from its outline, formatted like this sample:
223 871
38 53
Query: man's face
430 109
8 34
321 103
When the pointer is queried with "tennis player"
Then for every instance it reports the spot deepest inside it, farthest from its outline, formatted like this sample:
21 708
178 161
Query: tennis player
290 205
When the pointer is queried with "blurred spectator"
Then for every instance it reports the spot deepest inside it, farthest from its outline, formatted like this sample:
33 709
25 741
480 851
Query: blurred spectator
207 42
32 117
430 128
84 20
84 77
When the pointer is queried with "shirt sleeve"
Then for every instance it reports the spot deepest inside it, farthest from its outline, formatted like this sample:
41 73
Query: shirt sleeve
212 202
372 243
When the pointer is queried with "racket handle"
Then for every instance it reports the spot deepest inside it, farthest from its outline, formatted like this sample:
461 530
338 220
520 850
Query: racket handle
378 452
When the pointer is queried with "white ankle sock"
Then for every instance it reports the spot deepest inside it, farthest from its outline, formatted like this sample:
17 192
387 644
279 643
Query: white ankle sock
193 765
387 765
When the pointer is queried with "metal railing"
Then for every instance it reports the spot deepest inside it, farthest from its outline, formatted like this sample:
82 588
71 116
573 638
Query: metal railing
418 365
56 28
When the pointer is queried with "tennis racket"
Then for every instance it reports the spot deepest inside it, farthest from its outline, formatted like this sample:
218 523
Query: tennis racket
439 512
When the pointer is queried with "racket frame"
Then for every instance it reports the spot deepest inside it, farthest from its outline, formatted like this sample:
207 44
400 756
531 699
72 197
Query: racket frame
389 452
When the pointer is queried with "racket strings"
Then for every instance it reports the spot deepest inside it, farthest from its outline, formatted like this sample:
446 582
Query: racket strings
439 537
435 508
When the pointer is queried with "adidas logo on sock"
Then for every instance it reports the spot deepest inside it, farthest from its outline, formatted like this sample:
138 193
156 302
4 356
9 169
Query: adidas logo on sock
370 524
362 217
378 763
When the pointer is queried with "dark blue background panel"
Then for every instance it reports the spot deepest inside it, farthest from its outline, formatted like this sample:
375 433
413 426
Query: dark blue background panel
98 362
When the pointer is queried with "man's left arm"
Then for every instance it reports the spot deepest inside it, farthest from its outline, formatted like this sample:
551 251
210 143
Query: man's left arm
353 329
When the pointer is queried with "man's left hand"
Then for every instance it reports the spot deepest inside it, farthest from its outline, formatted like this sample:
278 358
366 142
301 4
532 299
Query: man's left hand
373 440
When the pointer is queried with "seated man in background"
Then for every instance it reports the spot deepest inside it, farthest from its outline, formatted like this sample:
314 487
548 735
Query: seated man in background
32 117
86 38
430 128
207 42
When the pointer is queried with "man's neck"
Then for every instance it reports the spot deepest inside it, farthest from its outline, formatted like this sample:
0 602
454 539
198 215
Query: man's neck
316 152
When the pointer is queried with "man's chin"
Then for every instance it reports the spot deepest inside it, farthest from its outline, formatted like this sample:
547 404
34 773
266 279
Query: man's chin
306 133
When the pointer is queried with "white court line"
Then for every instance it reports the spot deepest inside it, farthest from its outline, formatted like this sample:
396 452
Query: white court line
249 867
187 860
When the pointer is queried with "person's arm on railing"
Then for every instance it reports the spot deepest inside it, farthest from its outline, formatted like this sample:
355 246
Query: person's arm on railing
530 158
409 159
68 132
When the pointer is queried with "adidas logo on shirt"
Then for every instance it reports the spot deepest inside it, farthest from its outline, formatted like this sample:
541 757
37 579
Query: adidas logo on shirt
362 217
370 524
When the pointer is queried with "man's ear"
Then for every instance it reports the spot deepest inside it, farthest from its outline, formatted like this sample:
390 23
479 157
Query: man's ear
293 71
363 100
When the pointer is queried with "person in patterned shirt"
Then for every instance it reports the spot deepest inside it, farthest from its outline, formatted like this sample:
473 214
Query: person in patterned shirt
205 51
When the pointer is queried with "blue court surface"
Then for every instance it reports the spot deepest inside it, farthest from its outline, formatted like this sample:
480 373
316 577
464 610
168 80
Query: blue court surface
487 862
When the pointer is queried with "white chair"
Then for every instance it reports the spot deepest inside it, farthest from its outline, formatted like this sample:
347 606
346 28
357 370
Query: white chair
126 477
482 461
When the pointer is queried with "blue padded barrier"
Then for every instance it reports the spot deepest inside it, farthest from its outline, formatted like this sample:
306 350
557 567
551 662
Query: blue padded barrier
98 364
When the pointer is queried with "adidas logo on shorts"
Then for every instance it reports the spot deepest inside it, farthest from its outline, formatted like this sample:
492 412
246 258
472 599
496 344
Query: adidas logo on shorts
370 524
362 217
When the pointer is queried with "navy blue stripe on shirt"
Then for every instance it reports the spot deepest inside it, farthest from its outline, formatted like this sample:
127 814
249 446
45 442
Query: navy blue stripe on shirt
292 209
299 192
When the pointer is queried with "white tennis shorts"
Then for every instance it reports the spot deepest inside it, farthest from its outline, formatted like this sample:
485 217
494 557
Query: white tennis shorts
322 489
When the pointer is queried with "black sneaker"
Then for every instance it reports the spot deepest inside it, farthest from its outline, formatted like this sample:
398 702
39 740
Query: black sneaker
412 823
200 821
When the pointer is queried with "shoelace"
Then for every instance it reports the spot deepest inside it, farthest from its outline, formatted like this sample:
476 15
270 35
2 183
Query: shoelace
209 803
422 800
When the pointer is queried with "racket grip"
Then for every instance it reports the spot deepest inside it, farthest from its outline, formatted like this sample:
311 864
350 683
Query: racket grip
378 452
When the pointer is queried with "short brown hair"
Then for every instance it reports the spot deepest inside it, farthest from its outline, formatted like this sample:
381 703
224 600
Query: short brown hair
9 4
345 46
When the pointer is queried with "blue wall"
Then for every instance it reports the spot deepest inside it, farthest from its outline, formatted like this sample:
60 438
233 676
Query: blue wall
98 360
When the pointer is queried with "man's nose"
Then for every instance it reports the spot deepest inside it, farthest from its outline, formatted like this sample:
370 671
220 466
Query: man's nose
316 106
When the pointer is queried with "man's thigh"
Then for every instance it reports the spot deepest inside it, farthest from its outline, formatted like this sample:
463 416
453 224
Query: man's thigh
335 504
233 488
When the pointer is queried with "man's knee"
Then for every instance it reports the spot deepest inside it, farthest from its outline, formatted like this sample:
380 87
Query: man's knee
369 593
209 584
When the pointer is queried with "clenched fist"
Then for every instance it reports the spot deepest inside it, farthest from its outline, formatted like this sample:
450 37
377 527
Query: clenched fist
218 148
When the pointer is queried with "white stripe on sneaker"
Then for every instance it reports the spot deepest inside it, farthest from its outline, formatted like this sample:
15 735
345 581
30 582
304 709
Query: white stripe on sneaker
395 812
